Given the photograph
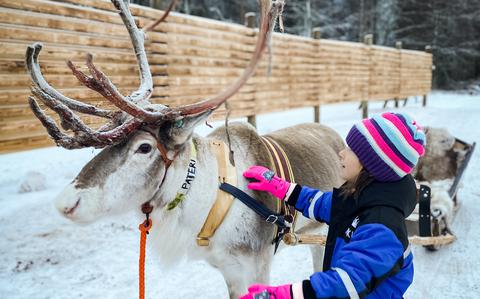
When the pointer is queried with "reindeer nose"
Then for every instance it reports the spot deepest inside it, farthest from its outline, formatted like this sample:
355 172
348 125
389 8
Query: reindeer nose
70 211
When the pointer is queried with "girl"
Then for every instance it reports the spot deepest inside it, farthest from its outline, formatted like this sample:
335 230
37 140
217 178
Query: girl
367 254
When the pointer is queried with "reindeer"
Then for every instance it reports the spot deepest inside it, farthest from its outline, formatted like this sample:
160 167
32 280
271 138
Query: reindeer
438 169
146 154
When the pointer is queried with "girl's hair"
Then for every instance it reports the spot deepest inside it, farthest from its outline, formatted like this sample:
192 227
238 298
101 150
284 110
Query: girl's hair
354 189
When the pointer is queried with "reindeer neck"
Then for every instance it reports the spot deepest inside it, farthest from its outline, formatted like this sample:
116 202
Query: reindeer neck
189 176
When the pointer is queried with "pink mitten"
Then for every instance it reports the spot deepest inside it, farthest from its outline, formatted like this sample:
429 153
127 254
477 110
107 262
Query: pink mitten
267 181
280 292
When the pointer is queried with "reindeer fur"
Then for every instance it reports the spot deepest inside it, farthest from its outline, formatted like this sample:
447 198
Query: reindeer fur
441 160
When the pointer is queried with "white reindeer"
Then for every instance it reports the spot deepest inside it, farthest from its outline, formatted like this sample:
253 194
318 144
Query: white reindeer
146 158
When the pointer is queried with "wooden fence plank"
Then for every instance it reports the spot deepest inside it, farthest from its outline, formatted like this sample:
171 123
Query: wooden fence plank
63 9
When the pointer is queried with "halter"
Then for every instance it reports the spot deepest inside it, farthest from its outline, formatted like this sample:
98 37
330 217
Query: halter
163 153
147 208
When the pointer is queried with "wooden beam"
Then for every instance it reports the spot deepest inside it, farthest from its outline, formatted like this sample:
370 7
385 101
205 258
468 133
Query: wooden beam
306 239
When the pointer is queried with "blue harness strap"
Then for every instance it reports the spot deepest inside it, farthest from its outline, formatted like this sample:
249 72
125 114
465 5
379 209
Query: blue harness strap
283 222
264 212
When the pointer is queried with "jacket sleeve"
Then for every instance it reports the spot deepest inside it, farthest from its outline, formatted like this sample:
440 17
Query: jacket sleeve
312 203
373 254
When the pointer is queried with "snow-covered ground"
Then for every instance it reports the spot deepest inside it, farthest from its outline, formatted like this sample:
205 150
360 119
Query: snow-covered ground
42 255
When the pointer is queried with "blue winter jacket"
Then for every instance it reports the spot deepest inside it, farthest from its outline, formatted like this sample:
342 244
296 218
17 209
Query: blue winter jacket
367 253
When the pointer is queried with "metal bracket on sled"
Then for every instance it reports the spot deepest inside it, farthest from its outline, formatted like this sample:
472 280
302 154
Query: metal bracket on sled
424 219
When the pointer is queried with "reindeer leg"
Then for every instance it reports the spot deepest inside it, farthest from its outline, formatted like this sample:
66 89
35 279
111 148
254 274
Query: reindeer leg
317 257
242 269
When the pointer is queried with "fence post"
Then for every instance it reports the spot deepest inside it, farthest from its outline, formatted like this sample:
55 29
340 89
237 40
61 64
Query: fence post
156 4
428 49
250 22
398 45
316 34
367 40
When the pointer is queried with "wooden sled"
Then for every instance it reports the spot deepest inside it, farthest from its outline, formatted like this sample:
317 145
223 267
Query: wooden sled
427 223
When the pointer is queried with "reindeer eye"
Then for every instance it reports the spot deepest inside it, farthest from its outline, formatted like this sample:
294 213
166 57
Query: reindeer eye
144 148
178 123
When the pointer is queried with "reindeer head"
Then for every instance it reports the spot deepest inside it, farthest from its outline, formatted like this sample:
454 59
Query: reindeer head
140 141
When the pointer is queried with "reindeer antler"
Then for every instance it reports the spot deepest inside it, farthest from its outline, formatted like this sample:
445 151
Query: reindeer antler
270 13
37 78
132 113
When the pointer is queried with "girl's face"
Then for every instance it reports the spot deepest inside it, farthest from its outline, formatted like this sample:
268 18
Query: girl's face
350 165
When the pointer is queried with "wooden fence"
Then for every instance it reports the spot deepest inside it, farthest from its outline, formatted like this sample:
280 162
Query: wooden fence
191 58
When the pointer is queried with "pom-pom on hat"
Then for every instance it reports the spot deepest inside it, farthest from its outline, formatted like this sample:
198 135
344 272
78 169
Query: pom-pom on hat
387 145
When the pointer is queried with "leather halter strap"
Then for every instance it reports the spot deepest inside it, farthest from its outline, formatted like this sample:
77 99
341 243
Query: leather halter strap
163 152
147 208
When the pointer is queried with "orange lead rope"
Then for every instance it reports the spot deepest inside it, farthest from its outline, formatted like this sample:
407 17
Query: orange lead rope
144 228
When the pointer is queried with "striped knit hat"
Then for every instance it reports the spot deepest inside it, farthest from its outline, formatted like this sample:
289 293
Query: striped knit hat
388 146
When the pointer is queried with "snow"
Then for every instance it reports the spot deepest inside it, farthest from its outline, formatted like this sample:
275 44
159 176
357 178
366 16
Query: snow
42 255
34 181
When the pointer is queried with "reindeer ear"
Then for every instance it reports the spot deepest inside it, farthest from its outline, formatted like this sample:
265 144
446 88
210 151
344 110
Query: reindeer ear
175 133
189 122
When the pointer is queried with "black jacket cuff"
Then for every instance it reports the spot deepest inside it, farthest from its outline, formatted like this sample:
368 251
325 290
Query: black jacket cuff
292 200
308 291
